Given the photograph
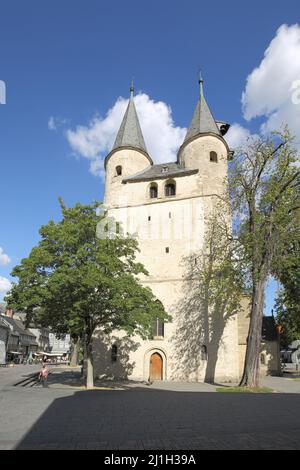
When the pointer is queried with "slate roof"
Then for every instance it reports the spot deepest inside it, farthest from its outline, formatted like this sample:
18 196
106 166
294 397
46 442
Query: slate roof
130 133
161 171
202 121
3 324
19 328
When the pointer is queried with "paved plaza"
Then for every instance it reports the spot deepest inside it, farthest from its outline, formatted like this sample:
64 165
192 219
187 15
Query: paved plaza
163 416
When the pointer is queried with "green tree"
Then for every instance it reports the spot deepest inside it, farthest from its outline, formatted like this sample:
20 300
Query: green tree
287 271
288 316
77 283
263 182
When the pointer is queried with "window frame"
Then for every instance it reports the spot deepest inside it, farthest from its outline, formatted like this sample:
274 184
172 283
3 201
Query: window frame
159 329
153 186
170 184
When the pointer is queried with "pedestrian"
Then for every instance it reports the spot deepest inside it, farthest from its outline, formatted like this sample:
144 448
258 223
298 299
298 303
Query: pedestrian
43 375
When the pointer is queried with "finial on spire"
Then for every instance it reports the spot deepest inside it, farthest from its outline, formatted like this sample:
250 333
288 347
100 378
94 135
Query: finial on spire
200 81
132 88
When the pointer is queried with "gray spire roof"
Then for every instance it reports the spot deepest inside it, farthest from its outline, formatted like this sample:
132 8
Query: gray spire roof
203 120
130 134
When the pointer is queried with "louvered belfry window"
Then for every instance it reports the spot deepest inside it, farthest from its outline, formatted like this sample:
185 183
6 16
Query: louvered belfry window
170 189
153 191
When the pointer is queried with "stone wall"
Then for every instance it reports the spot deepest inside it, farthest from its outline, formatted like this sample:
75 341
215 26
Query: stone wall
169 231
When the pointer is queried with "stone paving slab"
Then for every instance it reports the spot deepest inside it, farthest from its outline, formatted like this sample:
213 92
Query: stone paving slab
163 416
142 419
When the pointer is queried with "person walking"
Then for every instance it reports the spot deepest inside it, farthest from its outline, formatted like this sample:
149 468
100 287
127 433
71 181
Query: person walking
43 375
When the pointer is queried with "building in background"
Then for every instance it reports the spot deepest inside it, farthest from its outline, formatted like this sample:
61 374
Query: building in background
27 341
20 342
41 334
4 337
59 346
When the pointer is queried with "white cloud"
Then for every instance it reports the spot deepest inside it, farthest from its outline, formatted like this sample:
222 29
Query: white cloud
272 91
161 136
5 285
273 88
237 136
51 124
54 123
4 258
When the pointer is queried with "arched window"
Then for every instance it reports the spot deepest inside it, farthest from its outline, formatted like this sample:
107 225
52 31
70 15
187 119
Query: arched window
170 188
213 157
114 353
118 170
153 191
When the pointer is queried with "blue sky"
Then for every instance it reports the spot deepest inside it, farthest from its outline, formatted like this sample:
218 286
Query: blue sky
65 64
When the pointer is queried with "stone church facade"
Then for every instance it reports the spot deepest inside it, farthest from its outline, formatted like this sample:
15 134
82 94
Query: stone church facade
165 207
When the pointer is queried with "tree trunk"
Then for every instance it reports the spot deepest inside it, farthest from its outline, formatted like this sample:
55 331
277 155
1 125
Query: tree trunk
89 363
251 374
74 352
89 368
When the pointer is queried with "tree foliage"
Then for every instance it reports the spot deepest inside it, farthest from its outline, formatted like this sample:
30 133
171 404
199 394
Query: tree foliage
264 189
287 271
76 283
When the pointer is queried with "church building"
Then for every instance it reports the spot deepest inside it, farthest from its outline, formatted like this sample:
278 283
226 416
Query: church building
165 207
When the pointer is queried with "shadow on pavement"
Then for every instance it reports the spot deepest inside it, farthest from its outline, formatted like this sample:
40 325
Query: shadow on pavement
137 419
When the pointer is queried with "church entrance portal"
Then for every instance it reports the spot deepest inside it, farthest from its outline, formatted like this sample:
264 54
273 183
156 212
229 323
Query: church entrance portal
156 367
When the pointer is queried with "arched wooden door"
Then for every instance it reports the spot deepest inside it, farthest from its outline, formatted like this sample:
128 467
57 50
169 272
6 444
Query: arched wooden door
156 367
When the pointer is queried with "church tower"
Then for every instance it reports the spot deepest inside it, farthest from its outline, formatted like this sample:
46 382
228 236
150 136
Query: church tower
128 156
164 206
205 148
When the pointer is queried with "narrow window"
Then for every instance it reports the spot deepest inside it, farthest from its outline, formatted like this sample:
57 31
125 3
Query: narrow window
169 215
213 157
167 249
170 189
114 353
153 191
159 328
118 170
149 218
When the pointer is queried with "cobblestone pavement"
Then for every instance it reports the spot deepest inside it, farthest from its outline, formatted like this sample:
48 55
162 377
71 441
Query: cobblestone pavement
146 418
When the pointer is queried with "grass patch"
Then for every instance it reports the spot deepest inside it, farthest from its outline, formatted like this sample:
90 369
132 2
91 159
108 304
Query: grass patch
244 390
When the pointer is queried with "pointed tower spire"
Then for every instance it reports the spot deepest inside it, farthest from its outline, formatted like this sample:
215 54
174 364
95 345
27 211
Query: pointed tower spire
203 120
132 88
201 83
130 133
